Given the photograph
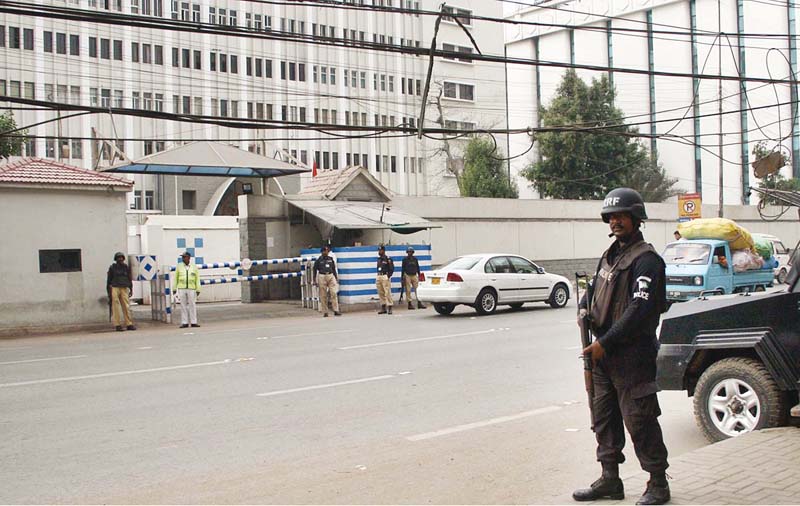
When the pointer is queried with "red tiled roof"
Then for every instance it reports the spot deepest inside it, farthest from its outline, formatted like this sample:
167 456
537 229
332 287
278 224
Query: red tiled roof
50 172
327 182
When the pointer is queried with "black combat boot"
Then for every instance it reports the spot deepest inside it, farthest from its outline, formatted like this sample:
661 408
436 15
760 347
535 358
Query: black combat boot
389 309
657 491
420 305
608 486
410 305
383 309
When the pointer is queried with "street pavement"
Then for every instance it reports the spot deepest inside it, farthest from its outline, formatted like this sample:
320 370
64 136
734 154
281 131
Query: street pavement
411 408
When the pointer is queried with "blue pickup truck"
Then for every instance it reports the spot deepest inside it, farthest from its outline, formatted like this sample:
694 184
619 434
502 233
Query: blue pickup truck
705 265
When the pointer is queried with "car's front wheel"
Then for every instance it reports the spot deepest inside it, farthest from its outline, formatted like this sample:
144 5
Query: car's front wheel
737 395
559 296
782 275
444 308
486 303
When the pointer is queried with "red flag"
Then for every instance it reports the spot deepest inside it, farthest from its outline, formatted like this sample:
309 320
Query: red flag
314 169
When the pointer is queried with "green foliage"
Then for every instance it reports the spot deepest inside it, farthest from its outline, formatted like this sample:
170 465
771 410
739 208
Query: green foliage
650 181
484 173
587 165
778 182
10 145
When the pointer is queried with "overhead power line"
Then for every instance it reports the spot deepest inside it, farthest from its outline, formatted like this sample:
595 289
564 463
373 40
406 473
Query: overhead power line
224 30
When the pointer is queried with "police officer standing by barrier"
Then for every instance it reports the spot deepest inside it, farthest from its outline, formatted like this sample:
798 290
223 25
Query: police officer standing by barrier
410 269
383 281
326 277
186 287
119 286
628 297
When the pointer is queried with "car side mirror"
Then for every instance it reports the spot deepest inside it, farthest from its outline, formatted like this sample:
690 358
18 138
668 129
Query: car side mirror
540 270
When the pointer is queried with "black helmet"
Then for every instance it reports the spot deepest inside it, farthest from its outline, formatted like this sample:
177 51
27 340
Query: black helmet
623 200
119 254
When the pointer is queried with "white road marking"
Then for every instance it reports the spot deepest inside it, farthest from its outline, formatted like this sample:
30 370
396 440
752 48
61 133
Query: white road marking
42 359
112 374
329 385
418 339
571 348
484 423
306 334
145 348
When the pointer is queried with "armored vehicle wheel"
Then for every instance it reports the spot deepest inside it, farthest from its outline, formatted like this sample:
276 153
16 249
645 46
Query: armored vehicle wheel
444 309
737 395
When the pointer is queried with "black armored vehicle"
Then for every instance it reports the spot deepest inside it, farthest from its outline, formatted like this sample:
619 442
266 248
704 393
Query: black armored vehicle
738 355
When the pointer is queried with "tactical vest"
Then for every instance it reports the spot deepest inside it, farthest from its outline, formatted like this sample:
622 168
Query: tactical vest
610 297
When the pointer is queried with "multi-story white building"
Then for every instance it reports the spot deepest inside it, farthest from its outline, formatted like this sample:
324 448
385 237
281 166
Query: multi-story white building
161 70
759 40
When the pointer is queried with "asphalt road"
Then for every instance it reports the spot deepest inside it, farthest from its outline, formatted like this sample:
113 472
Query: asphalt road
409 408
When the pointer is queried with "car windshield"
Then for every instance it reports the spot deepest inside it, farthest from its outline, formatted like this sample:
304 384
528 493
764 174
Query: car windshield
461 263
679 253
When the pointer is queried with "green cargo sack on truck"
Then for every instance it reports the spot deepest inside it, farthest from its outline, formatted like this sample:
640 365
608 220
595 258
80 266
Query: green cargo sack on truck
764 247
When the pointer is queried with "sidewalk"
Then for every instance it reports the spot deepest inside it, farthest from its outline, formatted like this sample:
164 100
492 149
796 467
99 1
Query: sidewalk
225 311
761 467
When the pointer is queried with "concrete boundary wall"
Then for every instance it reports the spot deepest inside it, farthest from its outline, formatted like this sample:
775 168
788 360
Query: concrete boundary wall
561 235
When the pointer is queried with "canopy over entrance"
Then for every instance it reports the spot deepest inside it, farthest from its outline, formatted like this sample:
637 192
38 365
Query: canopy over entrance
349 215
205 158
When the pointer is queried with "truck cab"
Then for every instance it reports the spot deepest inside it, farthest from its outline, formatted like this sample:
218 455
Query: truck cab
695 266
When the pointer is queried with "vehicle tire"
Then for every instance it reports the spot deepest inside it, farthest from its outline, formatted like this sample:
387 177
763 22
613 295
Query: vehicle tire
559 296
760 288
782 275
486 303
737 395
444 308
516 305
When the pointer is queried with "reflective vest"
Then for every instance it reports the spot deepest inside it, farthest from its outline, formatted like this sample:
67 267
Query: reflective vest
187 277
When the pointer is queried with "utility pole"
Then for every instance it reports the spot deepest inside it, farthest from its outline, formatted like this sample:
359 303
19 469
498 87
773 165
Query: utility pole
719 107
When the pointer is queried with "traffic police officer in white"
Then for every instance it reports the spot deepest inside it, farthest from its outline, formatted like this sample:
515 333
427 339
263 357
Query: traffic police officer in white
186 286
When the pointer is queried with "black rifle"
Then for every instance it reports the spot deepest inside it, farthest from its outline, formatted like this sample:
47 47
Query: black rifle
586 338
402 286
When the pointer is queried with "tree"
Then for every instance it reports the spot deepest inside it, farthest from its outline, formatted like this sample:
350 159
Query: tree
9 144
650 181
580 164
774 181
484 175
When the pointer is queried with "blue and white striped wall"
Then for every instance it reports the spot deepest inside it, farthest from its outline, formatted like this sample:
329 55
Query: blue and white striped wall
357 267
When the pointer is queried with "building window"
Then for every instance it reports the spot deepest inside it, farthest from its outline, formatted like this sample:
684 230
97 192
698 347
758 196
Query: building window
159 55
189 199
147 53
463 15
27 39
185 63
92 46
74 45
118 50
105 49
198 60
13 37
59 260
451 48
234 64
48 42
135 52
61 43
459 91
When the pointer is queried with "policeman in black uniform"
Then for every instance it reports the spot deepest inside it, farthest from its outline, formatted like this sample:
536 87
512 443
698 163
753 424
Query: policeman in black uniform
628 297
411 272
383 281
326 277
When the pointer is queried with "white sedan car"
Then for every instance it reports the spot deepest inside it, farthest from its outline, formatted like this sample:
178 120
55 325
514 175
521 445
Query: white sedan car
490 280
